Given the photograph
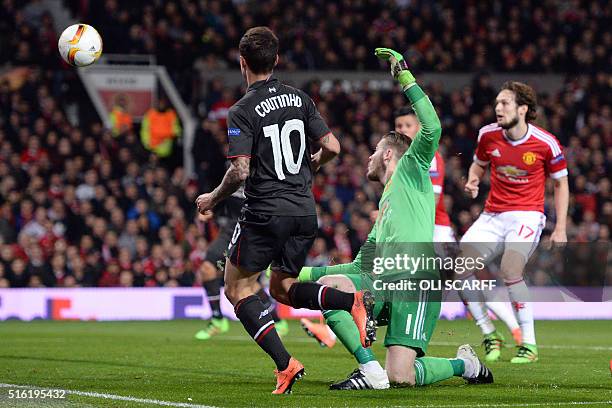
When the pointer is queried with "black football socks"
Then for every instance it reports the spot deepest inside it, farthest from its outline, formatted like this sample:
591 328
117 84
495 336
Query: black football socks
267 302
258 322
213 292
314 296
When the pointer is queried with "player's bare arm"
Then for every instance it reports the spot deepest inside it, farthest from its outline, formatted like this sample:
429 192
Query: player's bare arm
236 174
475 174
561 197
330 148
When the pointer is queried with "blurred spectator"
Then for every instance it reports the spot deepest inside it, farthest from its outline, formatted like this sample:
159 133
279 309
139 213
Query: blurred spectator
219 109
160 126
120 117
20 277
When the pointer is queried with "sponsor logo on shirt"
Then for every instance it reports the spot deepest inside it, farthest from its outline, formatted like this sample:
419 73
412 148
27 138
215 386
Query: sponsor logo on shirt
496 153
233 132
529 158
512 173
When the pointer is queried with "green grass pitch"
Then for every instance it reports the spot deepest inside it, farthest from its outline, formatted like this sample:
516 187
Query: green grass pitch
162 361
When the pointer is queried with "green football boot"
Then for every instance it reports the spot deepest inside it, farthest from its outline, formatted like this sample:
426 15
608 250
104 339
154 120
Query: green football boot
282 328
215 326
493 344
527 353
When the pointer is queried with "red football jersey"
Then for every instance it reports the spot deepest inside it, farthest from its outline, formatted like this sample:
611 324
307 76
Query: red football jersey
436 172
519 167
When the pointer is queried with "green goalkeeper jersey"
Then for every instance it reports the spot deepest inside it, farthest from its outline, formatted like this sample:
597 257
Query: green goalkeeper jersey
407 206
405 221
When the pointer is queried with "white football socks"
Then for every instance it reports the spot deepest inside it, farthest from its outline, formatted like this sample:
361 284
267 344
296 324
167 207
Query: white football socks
481 317
474 300
504 312
523 309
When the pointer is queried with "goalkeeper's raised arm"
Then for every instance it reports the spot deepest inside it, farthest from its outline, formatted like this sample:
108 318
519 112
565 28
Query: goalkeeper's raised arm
426 141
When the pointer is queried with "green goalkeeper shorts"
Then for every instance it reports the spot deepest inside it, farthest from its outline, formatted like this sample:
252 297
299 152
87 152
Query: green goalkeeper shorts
409 324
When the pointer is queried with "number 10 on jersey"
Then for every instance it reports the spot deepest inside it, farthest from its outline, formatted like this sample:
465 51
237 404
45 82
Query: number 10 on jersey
281 146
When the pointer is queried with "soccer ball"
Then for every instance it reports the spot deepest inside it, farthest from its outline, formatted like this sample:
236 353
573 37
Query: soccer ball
80 45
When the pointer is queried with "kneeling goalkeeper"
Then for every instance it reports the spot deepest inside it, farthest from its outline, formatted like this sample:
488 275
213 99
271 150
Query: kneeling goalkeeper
406 218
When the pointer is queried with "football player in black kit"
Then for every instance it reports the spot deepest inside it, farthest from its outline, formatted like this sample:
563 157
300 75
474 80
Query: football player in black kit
270 131
226 216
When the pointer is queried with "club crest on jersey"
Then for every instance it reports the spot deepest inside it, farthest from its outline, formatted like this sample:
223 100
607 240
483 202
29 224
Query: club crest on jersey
529 158
233 132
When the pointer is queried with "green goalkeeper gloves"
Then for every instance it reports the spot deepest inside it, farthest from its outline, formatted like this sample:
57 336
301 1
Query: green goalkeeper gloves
399 68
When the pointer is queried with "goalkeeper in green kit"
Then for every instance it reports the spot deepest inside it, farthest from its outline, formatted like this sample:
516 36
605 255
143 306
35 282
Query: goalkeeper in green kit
405 220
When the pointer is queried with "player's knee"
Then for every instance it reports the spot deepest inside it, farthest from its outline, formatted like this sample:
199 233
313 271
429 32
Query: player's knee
512 265
510 275
401 375
279 292
401 378
328 281
400 365
339 282
208 271
236 291
231 293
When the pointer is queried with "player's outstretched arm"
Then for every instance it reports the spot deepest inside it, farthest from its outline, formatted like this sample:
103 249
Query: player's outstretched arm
426 141
235 175
330 148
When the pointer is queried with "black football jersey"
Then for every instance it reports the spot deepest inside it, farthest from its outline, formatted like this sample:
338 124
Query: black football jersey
274 124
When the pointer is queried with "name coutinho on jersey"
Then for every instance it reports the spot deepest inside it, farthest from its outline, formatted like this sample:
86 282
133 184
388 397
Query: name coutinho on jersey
277 102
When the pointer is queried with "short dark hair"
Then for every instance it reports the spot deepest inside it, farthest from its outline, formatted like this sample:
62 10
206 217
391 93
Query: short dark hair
524 95
403 111
397 141
259 47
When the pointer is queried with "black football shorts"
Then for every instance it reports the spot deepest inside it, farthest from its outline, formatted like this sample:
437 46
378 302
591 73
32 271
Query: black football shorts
261 240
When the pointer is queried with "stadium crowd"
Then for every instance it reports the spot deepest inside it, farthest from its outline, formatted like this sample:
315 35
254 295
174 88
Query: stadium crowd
525 35
82 207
